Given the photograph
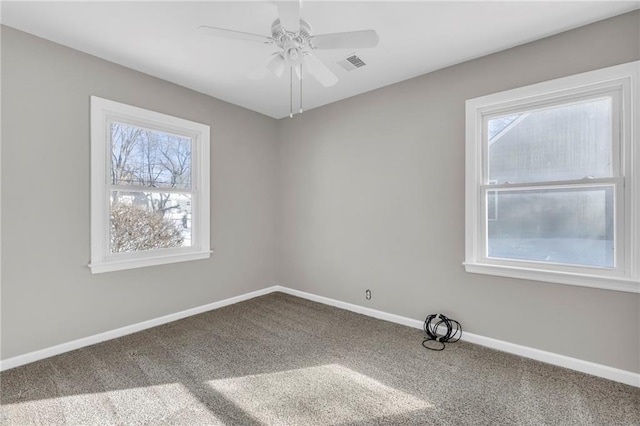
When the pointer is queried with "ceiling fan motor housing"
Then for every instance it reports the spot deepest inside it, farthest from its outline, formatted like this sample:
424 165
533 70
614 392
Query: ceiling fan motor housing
293 45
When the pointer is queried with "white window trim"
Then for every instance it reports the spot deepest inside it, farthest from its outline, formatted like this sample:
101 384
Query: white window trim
625 77
102 112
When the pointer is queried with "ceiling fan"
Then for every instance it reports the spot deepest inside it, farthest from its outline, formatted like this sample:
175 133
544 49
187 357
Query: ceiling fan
295 41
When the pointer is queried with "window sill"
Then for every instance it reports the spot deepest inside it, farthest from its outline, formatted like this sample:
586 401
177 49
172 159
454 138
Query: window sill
582 280
120 264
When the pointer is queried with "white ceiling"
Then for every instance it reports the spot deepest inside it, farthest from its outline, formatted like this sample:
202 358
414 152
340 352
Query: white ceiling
160 38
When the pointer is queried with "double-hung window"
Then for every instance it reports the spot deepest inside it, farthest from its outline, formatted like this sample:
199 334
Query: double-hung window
553 181
149 188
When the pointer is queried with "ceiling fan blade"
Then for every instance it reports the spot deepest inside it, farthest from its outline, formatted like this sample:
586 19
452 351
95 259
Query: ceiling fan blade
274 63
238 35
348 40
319 70
289 13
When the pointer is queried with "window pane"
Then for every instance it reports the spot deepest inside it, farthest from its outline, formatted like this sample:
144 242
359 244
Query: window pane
564 142
149 221
142 157
569 226
492 205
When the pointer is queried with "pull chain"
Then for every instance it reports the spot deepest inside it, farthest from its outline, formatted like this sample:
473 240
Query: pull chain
301 74
290 92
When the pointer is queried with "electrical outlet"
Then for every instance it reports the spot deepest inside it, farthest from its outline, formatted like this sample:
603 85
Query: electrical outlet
367 294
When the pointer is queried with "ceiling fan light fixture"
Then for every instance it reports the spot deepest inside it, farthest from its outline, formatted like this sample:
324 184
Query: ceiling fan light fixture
293 56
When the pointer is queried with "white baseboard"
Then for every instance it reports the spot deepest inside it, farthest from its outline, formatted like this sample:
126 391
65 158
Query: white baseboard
592 368
30 357
588 367
351 307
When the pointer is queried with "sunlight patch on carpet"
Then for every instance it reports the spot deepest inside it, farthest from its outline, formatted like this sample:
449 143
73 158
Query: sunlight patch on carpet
327 394
162 403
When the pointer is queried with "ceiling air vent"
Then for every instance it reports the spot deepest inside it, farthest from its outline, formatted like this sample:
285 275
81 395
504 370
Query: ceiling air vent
352 62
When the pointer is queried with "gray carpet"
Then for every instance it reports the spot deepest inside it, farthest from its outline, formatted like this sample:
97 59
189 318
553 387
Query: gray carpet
281 360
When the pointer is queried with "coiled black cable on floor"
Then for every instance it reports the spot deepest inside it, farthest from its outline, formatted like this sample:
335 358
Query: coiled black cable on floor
432 325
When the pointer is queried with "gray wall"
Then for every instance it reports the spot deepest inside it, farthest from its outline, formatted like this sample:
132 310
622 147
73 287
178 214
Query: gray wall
372 196
48 294
365 193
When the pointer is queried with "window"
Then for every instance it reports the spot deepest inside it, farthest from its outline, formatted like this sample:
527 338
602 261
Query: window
149 188
553 181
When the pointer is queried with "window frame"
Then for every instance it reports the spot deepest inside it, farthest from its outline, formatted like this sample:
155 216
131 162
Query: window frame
621 80
103 113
